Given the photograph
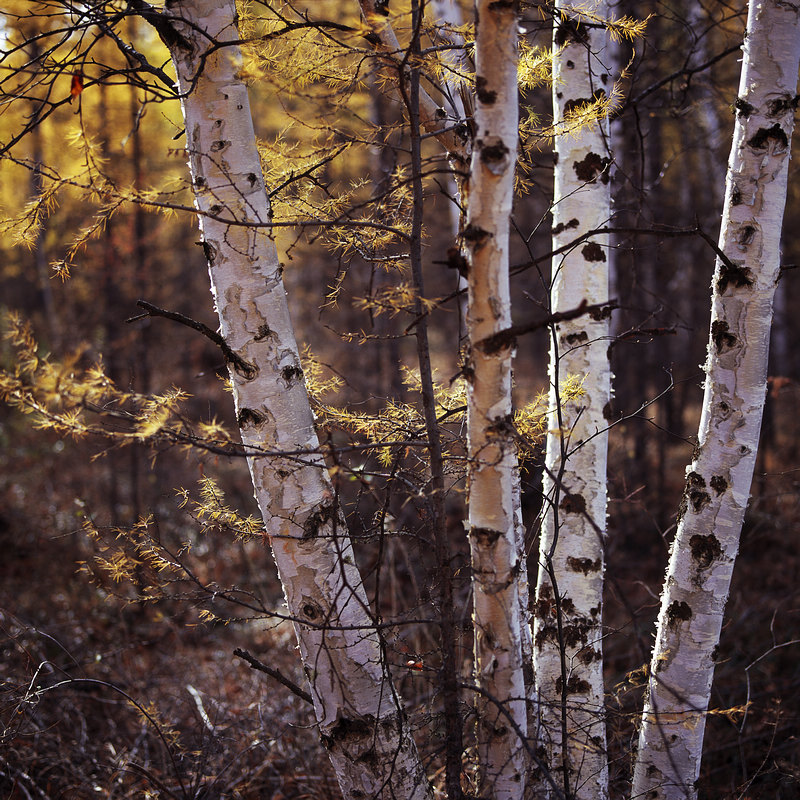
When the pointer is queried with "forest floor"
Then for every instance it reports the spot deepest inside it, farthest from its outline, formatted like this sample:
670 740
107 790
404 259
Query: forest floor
105 697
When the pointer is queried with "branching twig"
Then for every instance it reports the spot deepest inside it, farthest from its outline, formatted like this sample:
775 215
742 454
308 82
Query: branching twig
506 337
274 673
245 367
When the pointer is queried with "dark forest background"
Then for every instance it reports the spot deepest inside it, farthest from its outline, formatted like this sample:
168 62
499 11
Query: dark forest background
105 694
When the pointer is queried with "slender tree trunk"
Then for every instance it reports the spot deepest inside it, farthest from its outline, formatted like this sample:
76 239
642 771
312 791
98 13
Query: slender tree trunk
446 13
568 662
449 675
719 477
496 558
360 719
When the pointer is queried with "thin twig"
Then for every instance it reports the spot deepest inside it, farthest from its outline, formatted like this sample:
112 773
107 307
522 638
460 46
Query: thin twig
242 366
274 673
507 336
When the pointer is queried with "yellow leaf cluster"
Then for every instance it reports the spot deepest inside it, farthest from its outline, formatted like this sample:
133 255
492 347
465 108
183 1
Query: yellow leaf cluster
75 399
213 514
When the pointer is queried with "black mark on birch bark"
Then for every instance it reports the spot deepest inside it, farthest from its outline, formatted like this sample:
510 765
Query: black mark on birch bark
763 137
263 333
734 275
694 494
495 156
575 685
210 253
781 105
250 418
588 655
347 729
486 96
599 314
582 102
593 252
317 520
565 226
746 235
570 31
456 261
592 166
291 374
475 236
718 484
743 108
577 338
721 336
678 612
573 503
311 611
584 565
705 550
484 537
576 634
501 426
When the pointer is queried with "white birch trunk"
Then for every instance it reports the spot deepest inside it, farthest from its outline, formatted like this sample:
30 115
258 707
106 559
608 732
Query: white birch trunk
432 116
447 13
492 473
568 661
719 477
360 719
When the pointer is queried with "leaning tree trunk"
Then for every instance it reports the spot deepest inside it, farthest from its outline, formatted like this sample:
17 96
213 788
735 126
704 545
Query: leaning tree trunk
719 477
568 661
360 719
497 562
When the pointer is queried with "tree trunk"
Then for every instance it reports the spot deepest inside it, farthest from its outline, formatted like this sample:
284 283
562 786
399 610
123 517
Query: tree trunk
446 14
568 662
719 477
360 719
497 562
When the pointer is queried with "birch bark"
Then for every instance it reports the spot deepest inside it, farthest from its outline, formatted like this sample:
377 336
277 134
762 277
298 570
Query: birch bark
361 722
568 662
719 477
492 473
446 14
432 116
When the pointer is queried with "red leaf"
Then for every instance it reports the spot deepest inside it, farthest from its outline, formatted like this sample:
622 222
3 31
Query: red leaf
77 84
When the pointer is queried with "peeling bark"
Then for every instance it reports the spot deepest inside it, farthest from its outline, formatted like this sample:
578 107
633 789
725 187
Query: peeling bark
719 477
360 719
497 562
568 665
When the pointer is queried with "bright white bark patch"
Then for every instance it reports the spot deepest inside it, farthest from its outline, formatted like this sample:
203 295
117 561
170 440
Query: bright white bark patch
361 722
496 558
570 684
718 480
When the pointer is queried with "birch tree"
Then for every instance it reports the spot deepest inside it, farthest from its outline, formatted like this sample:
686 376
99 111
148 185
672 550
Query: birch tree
499 572
496 558
718 479
360 718
568 609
